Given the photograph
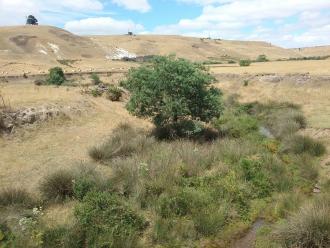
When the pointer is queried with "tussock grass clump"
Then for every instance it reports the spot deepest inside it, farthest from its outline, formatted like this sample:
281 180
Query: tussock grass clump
309 228
299 144
16 197
124 142
96 79
58 186
114 93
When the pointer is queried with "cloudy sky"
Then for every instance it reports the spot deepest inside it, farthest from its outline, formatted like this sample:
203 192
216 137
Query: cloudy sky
288 23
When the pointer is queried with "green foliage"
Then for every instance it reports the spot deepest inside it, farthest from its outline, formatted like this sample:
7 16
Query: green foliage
82 186
95 79
56 76
96 92
232 62
108 221
57 186
14 196
246 83
262 58
172 90
245 62
236 125
308 228
114 93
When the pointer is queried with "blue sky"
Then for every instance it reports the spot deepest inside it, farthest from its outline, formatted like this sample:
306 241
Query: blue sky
288 23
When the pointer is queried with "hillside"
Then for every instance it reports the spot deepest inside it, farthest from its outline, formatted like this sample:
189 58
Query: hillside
313 51
44 43
191 48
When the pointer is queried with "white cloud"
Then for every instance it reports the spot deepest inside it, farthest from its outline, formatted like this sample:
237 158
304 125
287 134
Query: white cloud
139 5
249 19
102 25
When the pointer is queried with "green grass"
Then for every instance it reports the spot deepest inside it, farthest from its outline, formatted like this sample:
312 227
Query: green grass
181 193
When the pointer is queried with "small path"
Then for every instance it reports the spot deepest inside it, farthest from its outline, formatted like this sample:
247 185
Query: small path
249 239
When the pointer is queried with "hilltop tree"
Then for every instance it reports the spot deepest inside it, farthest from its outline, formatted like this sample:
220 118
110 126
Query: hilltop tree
31 20
172 90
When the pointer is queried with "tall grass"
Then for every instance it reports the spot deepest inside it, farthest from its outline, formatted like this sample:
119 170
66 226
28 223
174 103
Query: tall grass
16 197
308 228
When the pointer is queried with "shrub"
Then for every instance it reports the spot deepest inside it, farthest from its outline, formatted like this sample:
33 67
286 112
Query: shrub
95 79
303 144
39 82
262 58
114 93
172 90
245 62
246 83
57 186
309 228
108 222
82 186
56 76
236 125
96 92
10 197
232 62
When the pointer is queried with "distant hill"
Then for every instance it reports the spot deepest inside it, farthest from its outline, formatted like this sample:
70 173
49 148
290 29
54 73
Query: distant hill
44 43
313 51
192 48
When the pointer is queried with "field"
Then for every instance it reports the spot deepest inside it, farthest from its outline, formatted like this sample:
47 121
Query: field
31 152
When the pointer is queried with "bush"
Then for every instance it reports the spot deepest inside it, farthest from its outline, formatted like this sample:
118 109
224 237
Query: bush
20 197
108 222
96 92
262 58
114 93
58 186
172 90
232 62
82 186
309 228
56 76
298 144
95 79
245 62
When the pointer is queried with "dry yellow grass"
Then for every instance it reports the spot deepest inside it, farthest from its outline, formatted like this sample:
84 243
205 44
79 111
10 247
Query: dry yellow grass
29 155
315 67
315 100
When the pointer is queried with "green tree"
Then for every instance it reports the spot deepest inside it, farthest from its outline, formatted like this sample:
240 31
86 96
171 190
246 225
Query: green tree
172 90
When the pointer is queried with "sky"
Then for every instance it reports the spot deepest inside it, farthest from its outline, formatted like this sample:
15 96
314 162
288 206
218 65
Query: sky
287 23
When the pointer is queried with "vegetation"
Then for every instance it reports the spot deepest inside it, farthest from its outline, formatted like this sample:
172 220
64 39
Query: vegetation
14 197
172 90
309 227
245 62
96 79
114 93
57 186
56 76
262 58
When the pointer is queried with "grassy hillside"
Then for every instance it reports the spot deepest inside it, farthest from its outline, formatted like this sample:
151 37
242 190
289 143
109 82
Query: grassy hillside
192 48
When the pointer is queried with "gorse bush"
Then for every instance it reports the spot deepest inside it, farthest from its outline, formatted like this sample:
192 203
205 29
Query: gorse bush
309 228
56 76
57 186
108 222
14 196
172 90
245 62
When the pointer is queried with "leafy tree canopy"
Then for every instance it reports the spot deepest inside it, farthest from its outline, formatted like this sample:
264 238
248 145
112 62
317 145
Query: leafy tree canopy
171 90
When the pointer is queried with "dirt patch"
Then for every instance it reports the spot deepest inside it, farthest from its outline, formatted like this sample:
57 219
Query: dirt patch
10 119
249 239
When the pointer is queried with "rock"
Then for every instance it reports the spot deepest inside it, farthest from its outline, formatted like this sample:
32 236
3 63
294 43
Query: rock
316 191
